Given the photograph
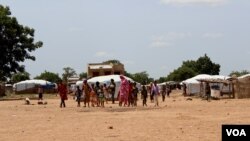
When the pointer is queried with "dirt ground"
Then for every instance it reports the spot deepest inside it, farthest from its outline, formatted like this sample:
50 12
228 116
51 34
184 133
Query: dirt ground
177 119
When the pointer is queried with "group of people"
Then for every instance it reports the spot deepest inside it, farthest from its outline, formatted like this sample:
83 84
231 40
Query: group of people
128 93
98 94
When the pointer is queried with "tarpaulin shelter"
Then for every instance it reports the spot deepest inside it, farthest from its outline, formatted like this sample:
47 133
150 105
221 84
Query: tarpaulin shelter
31 86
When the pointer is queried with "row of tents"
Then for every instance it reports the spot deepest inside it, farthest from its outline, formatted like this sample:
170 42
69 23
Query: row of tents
194 85
31 86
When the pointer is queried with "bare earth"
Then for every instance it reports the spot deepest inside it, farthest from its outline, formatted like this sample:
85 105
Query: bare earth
176 119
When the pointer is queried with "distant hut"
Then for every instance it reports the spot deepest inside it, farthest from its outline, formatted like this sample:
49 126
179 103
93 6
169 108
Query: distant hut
219 86
242 86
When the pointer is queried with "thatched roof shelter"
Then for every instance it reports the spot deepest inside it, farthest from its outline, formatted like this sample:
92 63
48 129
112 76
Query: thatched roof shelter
242 86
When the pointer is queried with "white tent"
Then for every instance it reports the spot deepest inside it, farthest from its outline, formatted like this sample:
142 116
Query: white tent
105 79
194 86
29 84
244 76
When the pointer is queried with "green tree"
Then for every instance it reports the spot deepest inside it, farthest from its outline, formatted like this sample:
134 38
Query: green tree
68 72
128 75
49 76
16 43
83 75
239 73
190 68
181 73
142 77
20 76
162 79
205 66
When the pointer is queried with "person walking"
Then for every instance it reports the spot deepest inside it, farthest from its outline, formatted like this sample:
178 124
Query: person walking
78 95
155 92
101 97
164 92
62 90
144 94
98 91
112 87
208 91
86 91
135 94
40 93
123 91
106 92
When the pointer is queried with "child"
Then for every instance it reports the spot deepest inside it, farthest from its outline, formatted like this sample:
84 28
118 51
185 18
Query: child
134 94
98 91
40 93
101 97
78 95
144 94
93 96
106 93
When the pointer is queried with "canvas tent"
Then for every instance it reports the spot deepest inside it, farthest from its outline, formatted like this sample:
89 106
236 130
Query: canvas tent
30 86
105 79
195 85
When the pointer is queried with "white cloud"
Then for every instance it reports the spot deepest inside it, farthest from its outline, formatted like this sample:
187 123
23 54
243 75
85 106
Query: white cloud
213 35
101 54
194 2
168 39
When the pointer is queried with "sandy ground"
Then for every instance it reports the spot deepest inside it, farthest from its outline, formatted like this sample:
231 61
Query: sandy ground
176 119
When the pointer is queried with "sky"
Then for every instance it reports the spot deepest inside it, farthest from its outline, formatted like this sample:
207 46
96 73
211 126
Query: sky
145 35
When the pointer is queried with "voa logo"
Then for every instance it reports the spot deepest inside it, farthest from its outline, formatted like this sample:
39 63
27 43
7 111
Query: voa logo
236 132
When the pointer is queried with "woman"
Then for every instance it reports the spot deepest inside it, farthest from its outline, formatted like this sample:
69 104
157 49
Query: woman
112 90
123 91
86 90
62 90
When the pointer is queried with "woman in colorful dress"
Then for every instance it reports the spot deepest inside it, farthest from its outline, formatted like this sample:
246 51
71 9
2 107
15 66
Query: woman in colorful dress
123 91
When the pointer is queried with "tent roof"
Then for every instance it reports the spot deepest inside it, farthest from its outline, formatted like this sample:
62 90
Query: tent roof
244 76
206 77
34 81
104 79
194 79
107 78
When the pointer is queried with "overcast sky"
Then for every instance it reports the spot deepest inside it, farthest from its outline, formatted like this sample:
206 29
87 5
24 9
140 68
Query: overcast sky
146 35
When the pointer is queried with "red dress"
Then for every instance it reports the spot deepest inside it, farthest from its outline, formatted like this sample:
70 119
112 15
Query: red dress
62 89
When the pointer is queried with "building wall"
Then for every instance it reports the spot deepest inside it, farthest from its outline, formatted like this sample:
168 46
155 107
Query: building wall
114 69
